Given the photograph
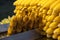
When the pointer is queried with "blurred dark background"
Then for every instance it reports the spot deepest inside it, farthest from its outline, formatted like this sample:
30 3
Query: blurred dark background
6 8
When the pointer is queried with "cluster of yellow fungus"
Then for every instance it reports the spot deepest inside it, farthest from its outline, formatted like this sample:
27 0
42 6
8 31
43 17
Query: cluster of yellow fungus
30 14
